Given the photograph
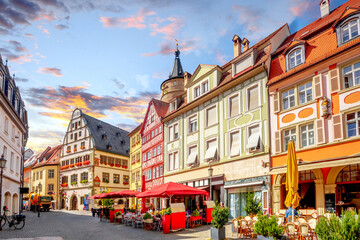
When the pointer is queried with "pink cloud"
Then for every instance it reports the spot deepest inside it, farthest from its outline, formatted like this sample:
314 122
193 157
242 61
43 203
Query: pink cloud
168 48
20 58
300 9
134 21
169 31
222 58
53 71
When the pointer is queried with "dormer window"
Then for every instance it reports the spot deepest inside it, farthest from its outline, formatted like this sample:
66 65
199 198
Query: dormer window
197 92
173 106
295 58
205 86
349 30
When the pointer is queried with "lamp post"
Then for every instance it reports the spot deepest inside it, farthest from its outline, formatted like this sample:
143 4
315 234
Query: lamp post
2 166
210 170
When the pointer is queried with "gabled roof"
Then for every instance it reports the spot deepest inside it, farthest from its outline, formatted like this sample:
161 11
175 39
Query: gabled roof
321 42
115 136
160 107
51 157
294 43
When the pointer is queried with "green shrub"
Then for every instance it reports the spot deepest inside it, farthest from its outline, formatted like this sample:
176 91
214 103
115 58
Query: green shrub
195 213
348 228
220 216
168 211
108 202
268 227
119 213
252 204
147 215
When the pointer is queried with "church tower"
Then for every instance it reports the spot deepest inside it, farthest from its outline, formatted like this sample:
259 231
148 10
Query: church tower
174 85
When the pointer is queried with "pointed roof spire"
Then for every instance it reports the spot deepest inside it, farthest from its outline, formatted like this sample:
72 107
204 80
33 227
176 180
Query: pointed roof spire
177 68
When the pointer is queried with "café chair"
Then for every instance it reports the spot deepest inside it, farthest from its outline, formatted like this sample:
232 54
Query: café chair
290 229
236 227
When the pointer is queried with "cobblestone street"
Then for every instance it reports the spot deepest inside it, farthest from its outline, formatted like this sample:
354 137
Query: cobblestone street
75 225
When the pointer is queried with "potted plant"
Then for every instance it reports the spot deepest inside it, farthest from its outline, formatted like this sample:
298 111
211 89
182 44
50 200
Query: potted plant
252 205
148 218
195 213
220 217
268 228
166 219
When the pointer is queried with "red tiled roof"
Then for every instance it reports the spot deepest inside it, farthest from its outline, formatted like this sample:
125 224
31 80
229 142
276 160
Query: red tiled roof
319 46
52 157
160 107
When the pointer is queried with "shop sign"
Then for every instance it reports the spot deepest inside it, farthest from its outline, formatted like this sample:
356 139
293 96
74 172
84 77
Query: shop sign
152 162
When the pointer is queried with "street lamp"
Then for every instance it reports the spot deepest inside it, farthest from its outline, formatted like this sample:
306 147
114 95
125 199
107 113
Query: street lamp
2 166
210 170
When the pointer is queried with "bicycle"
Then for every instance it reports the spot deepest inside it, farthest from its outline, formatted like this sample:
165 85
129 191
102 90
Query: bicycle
18 221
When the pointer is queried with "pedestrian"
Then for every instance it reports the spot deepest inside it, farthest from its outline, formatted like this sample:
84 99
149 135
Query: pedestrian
38 208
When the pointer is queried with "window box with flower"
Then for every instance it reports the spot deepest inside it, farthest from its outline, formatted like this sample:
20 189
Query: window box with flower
116 181
64 185
111 164
79 164
106 181
82 147
64 167
72 165
117 165
73 183
75 149
84 181
86 162
68 151
126 183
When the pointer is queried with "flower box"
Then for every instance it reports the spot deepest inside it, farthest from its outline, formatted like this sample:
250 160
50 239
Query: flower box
68 151
73 183
84 181
79 164
75 149
64 167
86 162
64 185
82 147
72 165
106 181
111 164
117 165
126 183
116 181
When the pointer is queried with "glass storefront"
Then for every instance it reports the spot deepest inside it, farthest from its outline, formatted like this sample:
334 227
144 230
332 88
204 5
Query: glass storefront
237 199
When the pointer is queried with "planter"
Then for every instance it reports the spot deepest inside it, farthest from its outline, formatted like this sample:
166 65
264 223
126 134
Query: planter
166 223
72 165
217 234
261 237
148 220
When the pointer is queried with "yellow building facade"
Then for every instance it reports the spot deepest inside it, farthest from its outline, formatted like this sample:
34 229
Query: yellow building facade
135 161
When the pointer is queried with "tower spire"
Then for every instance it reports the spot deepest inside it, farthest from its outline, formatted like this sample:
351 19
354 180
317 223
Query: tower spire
177 70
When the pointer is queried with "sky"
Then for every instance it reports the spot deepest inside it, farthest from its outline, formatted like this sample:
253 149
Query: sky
109 57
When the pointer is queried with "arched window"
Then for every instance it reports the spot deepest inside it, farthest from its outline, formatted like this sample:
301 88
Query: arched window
349 30
296 57
349 173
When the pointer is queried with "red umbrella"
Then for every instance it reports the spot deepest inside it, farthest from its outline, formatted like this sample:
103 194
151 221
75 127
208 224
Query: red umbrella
170 189
123 193
98 196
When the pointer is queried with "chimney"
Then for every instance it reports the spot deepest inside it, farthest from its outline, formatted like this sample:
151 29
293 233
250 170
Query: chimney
324 8
187 77
237 45
245 43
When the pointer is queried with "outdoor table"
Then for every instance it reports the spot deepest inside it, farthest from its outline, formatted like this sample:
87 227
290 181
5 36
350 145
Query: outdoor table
195 221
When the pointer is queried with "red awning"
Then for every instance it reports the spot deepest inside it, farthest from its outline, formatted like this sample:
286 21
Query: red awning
121 194
98 196
172 189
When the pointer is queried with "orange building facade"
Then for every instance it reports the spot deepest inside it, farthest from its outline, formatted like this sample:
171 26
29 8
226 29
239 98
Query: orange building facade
314 89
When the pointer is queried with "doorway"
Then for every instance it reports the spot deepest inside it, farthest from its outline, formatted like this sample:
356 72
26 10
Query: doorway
63 204
74 203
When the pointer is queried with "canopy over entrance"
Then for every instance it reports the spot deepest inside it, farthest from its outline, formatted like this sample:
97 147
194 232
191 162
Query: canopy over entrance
171 189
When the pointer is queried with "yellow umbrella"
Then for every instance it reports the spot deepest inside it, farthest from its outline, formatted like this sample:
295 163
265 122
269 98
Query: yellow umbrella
292 178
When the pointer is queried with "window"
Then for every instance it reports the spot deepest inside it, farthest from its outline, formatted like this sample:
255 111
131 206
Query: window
125 163
37 176
72 161
205 86
154 151
51 173
74 178
289 135
193 124
253 141
41 174
295 58
158 150
82 200
211 150
234 106
192 157
288 99
152 134
161 170
156 132
116 178
197 92
126 179
13 133
105 177
68 149
11 161
144 157
51 187
34 176
173 161
352 75
235 143
349 30
353 124
71 136
305 92
307 135
159 129
138 176
253 98
211 117
173 132
80 134
82 145
172 106
17 164
64 179
84 176
6 127
102 159
157 172
154 173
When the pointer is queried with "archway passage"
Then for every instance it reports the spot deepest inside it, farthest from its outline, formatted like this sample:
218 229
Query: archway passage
348 188
74 203
306 190
63 204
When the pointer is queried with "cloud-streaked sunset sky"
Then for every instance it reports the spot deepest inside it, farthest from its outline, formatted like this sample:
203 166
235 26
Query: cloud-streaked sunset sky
109 57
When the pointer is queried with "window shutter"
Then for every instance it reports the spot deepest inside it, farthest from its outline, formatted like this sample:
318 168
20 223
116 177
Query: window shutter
318 91
320 133
334 80
277 142
276 102
338 127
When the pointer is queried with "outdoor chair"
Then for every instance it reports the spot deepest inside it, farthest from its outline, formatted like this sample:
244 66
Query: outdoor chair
244 228
236 227
289 219
305 231
280 221
315 215
312 223
247 218
290 229
139 222
251 227
301 220
255 218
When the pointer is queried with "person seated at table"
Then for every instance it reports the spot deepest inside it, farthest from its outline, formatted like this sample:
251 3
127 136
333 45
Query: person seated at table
289 212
